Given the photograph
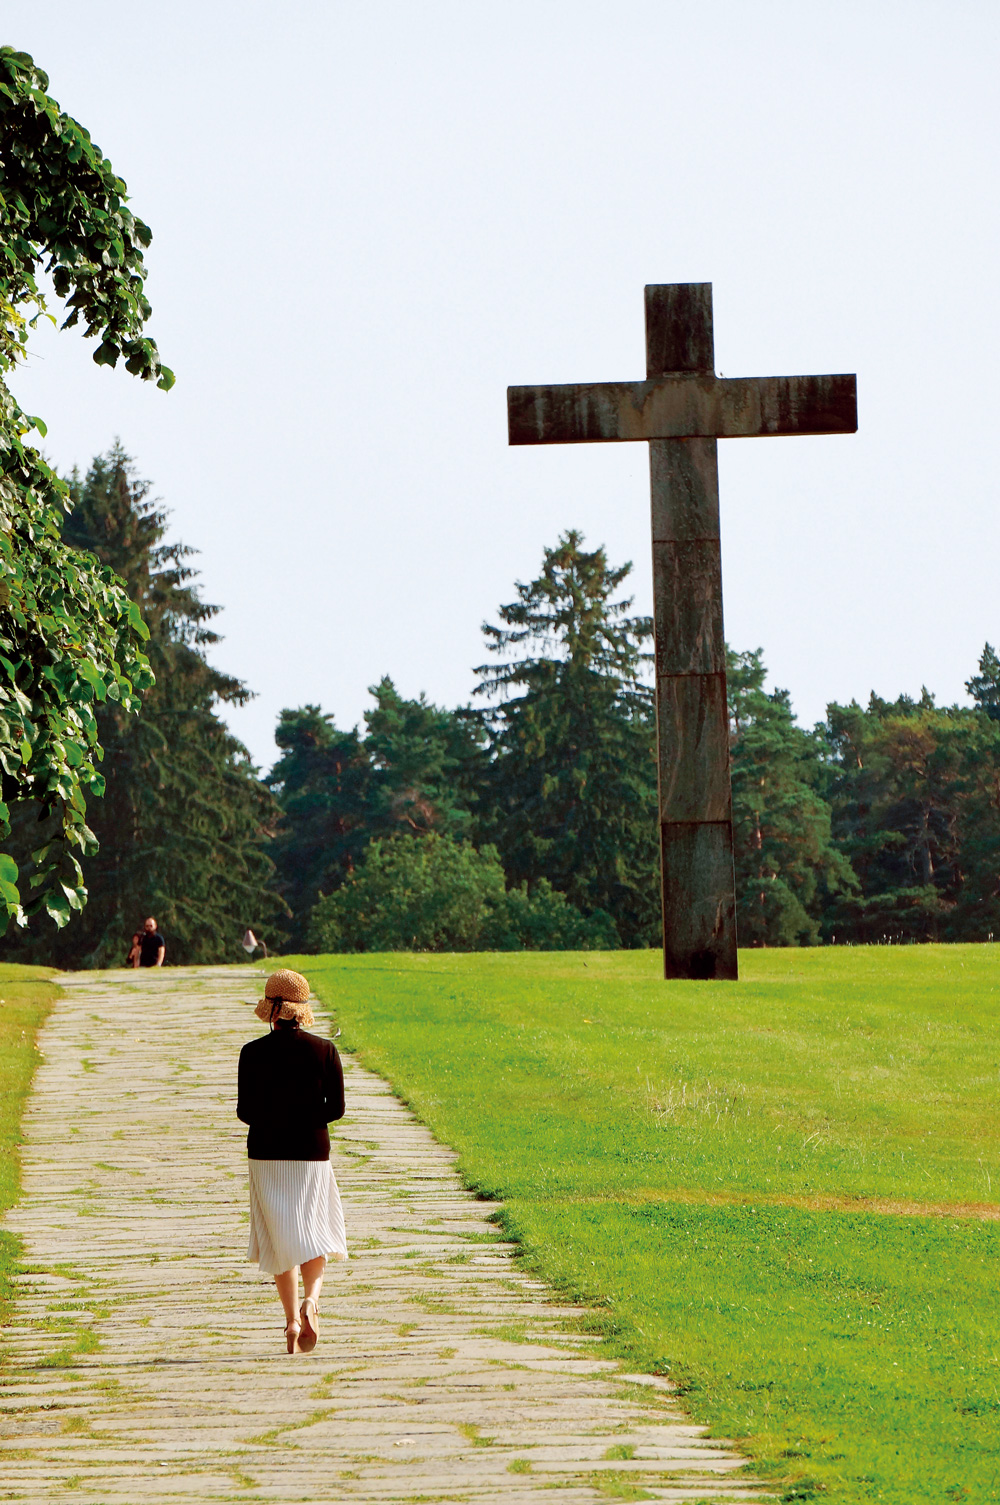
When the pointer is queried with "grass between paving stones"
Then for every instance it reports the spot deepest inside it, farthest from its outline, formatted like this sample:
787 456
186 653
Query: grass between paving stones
721 1171
26 996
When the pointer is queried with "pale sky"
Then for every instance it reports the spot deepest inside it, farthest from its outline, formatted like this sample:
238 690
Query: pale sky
369 218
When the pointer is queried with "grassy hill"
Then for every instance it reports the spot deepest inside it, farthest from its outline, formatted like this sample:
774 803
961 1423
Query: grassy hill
781 1192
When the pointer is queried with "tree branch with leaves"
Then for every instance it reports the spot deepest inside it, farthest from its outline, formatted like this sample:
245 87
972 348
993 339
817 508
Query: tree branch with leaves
69 635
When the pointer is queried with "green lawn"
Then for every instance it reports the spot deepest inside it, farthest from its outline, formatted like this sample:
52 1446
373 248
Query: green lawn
26 996
721 1170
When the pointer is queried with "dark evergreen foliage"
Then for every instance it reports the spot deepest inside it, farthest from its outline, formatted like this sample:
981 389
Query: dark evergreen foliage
569 794
984 687
916 808
787 865
426 763
561 777
322 785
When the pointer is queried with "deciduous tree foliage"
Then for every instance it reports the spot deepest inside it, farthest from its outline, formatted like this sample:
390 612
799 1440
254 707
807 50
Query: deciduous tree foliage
438 894
185 821
69 635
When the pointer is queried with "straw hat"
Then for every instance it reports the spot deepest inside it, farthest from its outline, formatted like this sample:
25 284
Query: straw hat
293 990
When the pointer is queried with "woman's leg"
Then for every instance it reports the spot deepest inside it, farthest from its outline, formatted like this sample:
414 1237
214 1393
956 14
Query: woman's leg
312 1277
312 1281
288 1289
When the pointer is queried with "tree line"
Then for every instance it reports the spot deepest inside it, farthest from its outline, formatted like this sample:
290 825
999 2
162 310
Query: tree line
526 818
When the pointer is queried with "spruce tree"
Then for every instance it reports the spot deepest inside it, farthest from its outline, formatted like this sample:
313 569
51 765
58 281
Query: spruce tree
570 790
185 822
425 761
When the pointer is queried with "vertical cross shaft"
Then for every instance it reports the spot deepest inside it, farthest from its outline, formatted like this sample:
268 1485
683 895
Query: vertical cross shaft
681 409
695 801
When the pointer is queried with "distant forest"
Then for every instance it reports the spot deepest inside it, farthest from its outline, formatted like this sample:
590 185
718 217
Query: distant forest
524 819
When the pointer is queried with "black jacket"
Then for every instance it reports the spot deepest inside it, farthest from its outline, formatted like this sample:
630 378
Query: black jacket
291 1085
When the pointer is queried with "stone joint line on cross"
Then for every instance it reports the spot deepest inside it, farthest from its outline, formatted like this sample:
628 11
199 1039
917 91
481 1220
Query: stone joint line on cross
682 409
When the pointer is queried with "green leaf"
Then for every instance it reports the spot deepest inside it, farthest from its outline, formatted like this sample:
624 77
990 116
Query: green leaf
94 678
106 354
136 622
8 869
57 907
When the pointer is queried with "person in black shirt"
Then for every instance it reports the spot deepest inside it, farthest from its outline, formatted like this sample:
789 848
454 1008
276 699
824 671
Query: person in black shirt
291 1085
152 946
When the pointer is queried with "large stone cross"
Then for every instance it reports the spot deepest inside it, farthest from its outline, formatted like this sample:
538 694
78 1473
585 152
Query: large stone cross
682 408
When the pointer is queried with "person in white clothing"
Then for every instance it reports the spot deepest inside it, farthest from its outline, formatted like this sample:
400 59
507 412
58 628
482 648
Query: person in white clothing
291 1085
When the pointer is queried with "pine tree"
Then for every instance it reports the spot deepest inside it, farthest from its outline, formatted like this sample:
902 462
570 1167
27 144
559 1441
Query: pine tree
185 822
984 687
570 791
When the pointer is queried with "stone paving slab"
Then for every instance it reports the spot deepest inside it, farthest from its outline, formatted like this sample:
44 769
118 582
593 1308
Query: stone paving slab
146 1361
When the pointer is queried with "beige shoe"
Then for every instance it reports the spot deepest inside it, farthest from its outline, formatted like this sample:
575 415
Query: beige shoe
309 1336
292 1336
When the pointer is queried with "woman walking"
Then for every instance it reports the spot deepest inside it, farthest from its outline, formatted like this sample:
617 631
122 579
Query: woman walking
291 1086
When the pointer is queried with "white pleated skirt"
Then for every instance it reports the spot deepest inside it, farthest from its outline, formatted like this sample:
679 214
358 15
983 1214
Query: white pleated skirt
295 1214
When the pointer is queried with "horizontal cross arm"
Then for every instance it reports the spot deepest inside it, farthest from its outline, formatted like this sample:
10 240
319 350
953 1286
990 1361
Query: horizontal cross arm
683 407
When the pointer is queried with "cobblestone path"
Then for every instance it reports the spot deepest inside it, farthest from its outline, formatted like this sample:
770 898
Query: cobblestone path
147 1363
